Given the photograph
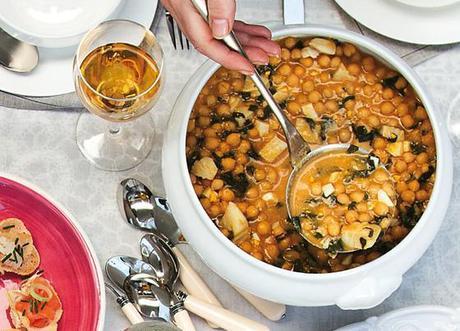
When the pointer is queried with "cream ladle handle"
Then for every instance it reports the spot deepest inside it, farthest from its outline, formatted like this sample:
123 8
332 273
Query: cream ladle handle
193 282
131 313
183 321
222 317
271 310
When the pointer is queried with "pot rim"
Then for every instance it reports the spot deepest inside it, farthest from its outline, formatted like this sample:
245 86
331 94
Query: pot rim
443 161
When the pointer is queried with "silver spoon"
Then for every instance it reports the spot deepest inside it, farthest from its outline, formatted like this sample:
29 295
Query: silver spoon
157 325
16 55
135 283
299 150
146 211
119 269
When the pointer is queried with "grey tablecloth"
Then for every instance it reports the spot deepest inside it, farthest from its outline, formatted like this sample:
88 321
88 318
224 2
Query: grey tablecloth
39 146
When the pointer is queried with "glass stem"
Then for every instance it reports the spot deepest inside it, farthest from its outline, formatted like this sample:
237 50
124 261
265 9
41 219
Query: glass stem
115 129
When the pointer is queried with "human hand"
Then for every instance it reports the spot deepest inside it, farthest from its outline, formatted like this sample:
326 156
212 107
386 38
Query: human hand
256 39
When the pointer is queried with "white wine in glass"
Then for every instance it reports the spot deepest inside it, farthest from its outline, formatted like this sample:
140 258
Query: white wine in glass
118 76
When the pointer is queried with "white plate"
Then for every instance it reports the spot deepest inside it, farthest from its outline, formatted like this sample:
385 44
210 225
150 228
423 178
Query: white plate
415 318
53 75
427 26
429 3
54 23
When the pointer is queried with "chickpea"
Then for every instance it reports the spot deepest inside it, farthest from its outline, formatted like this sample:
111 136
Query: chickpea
387 108
414 185
306 62
293 80
373 120
402 109
227 194
421 195
223 109
368 63
354 69
252 212
324 61
290 42
339 188
368 90
284 69
328 93
252 192
237 84
228 164
387 94
301 98
349 50
246 246
257 255
285 54
233 139
271 252
285 243
324 77
379 143
217 184
198 189
253 133
314 97
362 207
316 189
357 196
214 210
344 135
409 157
296 54
343 199
224 147
272 176
308 86
333 228
259 174
364 217
351 216
380 175
320 107
408 121
380 208
335 62
299 71
420 114
400 166
422 158
223 87
211 143
293 108
408 196
331 105
277 79
242 158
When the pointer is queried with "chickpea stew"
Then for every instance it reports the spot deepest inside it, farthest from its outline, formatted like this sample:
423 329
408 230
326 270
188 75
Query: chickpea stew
333 92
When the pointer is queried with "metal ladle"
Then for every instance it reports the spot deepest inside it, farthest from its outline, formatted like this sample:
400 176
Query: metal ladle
300 152
146 211
16 55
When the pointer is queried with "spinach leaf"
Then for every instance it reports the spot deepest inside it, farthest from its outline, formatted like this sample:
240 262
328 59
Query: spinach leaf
352 149
363 134
239 183
311 122
295 220
426 175
266 114
245 95
391 83
335 247
192 158
417 148
326 123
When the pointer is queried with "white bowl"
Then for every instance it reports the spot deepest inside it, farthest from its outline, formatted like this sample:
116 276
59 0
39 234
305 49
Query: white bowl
428 3
362 287
54 23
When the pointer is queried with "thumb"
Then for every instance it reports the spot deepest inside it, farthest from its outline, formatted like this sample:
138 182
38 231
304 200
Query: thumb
221 17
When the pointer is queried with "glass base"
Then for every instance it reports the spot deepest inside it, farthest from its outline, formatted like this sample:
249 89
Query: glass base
114 146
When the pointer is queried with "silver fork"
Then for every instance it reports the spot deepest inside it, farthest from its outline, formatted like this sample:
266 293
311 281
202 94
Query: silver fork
172 32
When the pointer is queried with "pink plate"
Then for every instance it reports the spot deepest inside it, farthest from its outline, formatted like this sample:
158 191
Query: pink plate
67 258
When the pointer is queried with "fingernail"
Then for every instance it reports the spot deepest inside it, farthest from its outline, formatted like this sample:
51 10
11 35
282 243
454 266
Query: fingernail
219 27
247 73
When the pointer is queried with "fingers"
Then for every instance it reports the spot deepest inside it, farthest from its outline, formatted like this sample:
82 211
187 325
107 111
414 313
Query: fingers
257 30
268 46
221 17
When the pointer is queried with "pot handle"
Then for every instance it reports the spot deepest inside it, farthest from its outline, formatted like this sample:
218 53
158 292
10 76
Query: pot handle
369 292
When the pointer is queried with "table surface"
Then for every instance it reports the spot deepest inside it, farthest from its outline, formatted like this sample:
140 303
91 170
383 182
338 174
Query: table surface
40 147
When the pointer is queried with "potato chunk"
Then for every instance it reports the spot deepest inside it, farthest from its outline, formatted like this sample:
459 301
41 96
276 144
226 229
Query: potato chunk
325 46
234 220
273 149
205 168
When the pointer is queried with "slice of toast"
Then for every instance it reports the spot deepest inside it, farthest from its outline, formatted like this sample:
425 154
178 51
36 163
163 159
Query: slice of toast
17 242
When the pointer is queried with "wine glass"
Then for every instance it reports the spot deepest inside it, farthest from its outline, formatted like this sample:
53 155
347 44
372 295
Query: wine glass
118 75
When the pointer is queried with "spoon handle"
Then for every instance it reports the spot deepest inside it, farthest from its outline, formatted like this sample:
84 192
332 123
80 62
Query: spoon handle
183 321
131 313
224 318
193 283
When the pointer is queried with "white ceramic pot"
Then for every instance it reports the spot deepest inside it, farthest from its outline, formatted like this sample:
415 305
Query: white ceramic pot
362 287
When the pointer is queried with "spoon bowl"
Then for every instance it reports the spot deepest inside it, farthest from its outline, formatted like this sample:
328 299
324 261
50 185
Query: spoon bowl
16 55
159 255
